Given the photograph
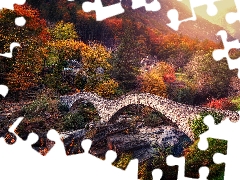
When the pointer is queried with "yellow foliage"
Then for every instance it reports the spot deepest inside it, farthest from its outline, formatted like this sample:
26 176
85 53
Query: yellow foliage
64 31
56 51
153 81
154 84
107 88
94 56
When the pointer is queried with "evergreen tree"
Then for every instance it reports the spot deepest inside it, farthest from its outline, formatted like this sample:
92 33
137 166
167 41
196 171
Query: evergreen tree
126 59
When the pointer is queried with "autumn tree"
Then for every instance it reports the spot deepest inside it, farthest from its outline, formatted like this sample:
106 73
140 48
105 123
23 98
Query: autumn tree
210 78
96 67
63 31
25 66
94 72
57 55
155 80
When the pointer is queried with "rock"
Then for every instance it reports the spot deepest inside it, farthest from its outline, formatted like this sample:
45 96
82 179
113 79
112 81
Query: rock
144 143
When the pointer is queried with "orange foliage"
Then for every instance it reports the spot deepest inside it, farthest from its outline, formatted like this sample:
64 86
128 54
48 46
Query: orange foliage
28 61
84 15
166 45
115 24
154 80
34 22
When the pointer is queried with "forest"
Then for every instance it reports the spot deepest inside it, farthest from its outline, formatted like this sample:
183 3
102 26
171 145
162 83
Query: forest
66 51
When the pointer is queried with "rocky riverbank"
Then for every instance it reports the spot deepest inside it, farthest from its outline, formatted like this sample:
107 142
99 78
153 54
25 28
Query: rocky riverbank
143 142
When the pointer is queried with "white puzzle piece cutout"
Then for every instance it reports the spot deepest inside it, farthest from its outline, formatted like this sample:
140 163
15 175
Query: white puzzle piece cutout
219 54
173 14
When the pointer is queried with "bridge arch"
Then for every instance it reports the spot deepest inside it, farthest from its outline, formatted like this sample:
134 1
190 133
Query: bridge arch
139 110
178 113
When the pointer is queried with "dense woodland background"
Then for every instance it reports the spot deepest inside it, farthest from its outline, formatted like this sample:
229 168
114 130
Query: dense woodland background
64 51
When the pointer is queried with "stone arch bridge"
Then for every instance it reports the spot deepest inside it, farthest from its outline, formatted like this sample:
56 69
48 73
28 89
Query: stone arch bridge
178 113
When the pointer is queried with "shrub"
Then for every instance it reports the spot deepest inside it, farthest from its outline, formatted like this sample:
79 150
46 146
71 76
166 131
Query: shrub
63 108
41 115
64 88
37 107
184 94
107 89
182 90
123 161
197 125
80 81
74 121
45 102
78 118
223 103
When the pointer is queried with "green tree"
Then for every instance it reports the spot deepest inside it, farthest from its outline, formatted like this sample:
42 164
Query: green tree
126 59
210 78
62 47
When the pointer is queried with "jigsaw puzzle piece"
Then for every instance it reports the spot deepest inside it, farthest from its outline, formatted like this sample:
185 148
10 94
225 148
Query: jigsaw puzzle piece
217 131
43 145
180 162
153 6
232 17
224 53
173 14
101 11
59 148
20 144
196 158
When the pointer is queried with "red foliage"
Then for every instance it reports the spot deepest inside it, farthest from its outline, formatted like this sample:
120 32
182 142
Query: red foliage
223 103
169 78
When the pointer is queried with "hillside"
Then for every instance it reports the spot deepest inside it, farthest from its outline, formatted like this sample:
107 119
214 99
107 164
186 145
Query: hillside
70 11
200 29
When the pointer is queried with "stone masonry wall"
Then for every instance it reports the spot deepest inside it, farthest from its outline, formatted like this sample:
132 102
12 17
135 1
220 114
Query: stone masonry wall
178 113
